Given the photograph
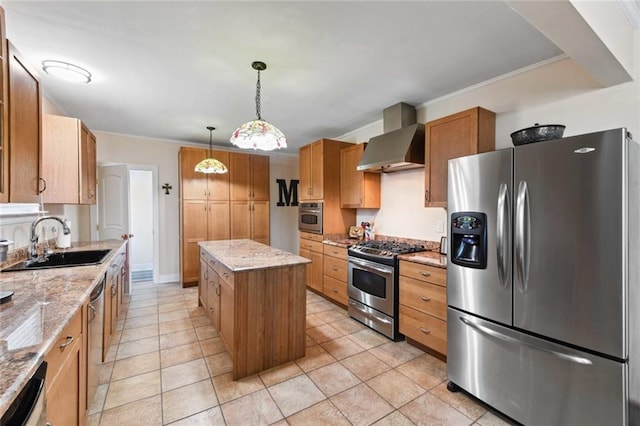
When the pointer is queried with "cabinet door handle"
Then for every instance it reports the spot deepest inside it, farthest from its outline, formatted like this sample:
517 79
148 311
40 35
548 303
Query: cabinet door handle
426 195
334 268
67 342
335 290
425 331
425 299
224 274
334 252
44 185
425 274
218 290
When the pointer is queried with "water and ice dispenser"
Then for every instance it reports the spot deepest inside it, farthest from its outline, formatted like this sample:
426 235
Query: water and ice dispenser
469 239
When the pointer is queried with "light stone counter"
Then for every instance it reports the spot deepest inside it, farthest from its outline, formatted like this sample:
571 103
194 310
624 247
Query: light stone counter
246 255
43 303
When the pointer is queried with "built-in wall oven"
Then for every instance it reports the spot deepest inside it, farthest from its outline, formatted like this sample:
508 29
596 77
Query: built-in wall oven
310 217
373 284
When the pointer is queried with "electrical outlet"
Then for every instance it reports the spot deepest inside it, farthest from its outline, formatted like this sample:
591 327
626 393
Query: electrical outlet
440 226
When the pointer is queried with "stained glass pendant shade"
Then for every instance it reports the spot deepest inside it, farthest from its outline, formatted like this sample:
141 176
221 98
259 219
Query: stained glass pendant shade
210 164
258 134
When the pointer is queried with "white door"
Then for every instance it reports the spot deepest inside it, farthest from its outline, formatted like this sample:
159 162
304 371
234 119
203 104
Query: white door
113 202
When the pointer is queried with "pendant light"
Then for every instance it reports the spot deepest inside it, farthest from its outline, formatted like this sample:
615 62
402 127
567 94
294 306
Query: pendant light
210 164
258 134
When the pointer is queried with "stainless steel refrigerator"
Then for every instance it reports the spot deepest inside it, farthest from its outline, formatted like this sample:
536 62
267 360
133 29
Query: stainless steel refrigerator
543 279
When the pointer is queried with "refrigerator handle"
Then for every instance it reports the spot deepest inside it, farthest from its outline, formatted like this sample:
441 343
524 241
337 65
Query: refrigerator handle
503 234
522 236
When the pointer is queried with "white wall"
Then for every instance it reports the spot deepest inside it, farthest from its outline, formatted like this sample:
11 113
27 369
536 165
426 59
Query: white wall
284 219
141 226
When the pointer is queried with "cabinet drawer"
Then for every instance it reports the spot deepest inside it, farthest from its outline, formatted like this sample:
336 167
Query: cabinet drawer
63 346
423 272
208 259
423 328
336 268
225 274
311 236
334 251
311 245
335 289
423 296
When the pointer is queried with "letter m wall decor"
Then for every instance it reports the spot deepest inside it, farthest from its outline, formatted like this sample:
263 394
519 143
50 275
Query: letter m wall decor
287 196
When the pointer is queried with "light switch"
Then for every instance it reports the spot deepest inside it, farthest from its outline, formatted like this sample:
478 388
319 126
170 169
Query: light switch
440 226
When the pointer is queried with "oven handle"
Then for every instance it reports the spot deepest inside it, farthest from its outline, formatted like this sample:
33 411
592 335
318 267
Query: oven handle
303 211
369 314
370 266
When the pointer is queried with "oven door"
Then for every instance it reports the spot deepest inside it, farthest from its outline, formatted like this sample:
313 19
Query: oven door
310 218
371 284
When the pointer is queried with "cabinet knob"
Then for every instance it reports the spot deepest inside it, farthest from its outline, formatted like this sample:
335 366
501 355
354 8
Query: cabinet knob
425 299
334 268
425 331
425 274
67 342
335 290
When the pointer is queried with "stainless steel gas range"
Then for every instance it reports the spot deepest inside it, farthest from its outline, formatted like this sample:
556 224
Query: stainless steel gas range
373 284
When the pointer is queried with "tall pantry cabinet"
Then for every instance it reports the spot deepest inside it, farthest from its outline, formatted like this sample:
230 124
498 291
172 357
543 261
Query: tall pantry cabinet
220 206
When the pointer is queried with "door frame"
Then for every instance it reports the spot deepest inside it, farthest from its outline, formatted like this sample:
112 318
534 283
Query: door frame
156 237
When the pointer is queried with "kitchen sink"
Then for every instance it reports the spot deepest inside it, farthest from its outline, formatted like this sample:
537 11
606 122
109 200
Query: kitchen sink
62 260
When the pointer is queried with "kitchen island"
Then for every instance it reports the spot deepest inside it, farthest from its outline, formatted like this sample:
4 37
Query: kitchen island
256 298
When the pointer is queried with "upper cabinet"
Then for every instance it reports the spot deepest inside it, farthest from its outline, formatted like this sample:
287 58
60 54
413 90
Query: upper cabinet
202 186
249 177
465 133
357 189
4 147
67 143
311 171
25 132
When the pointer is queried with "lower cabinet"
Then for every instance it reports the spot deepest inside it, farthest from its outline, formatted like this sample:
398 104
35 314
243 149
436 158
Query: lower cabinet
311 247
117 279
250 220
335 273
423 305
66 381
209 288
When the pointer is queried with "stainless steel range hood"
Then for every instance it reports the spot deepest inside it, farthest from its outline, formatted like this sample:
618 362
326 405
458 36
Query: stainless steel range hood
400 147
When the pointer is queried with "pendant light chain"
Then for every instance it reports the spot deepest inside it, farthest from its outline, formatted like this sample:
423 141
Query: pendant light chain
258 97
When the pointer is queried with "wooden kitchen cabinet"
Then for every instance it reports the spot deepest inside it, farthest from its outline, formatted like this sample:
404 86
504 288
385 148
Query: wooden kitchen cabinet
115 281
4 117
465 133
335 273
312 171
202 186
311 248
67 142
360 190
249 176
423 305
24 129
250 219
208 289
66 380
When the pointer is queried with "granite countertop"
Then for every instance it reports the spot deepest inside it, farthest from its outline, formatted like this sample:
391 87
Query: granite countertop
431 258
247 255
44 302
344 243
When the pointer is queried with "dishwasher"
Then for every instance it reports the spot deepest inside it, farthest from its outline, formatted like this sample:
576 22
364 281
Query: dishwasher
95 329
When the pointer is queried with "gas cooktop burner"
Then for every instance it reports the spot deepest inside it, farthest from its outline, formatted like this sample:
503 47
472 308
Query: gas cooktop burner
386 248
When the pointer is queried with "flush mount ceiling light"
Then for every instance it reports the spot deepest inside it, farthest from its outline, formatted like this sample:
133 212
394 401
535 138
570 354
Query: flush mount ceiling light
66 71
258 134
210 164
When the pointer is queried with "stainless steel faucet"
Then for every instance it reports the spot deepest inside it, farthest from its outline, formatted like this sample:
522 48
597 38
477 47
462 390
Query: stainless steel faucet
33 251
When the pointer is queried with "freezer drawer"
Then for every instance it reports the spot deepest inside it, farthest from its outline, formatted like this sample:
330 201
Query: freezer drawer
531 380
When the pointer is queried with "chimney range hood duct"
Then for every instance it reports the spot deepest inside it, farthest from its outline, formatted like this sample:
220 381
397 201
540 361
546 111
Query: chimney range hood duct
400 147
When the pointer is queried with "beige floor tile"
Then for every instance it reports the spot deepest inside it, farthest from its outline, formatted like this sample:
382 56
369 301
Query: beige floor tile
97 403
423 371
105 370
135 365
263 410
188 400
333 378
280 373
212 346
176 325
295 394
177 338
494 419
315 357
180 354
195 310
332 315
137 347
174 315
393 354
93 419
206 332
132 389
365 366
219 363
145 412
212 416
320 306
342 347
361 405
395 419
368 338
119 325
172 306
395 388
322 413
323 333
141 321
460 401
200 321
115 337
168 299
135 304
348 326
184 374
313 320
429 409
140 312
110 356
228 389
131 334
308 341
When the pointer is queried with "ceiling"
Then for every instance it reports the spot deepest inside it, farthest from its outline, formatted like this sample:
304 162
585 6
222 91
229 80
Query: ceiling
166 70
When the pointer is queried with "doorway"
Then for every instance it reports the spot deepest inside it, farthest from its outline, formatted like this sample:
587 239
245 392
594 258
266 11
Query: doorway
141 225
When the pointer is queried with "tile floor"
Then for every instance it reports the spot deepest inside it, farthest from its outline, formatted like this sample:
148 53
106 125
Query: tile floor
167 365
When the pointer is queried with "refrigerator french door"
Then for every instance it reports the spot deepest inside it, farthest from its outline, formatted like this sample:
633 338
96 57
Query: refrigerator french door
540 326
